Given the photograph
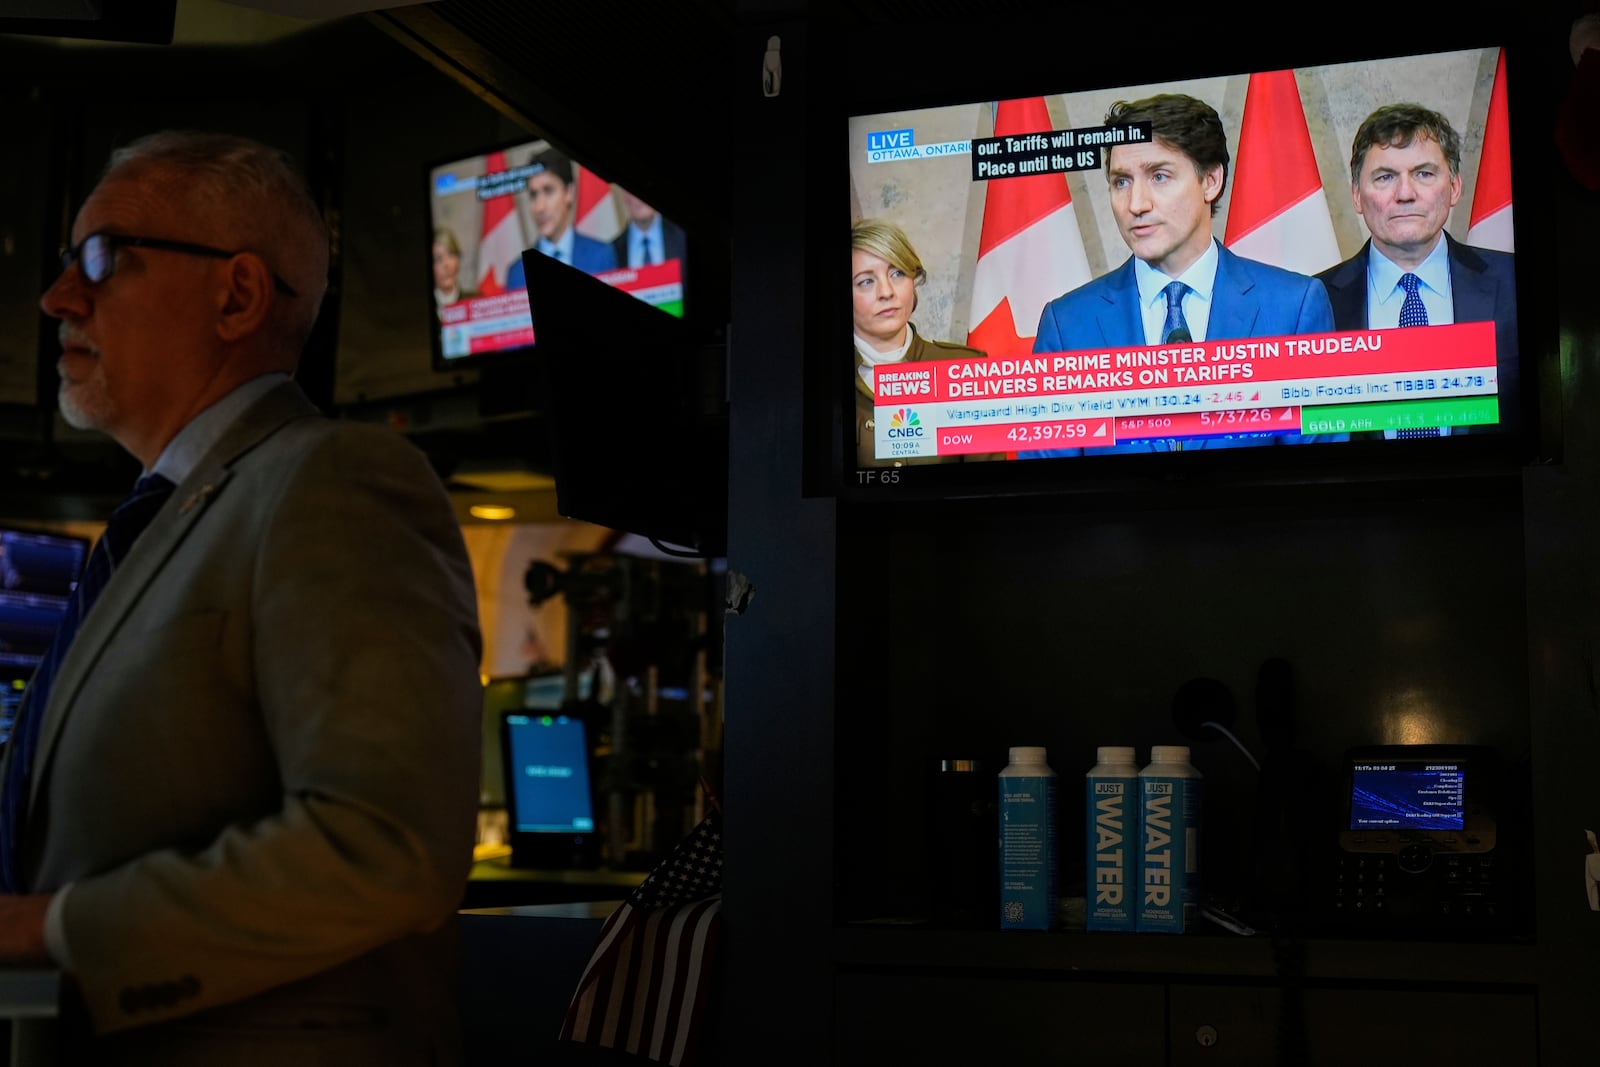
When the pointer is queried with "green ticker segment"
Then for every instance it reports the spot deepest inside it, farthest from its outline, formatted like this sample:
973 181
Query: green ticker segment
1401 415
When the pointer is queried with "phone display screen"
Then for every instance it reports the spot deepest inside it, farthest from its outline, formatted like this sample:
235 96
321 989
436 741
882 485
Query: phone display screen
1408 795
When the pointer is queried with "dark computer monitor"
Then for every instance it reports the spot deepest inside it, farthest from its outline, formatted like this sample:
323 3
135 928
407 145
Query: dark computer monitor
636 406
38 572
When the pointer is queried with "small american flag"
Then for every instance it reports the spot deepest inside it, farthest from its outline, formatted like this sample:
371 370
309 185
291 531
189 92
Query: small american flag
645 988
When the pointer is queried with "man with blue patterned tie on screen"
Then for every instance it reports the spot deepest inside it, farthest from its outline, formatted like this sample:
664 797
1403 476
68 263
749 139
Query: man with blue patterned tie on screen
648 238
240 798
552 204
1405 177
1180 284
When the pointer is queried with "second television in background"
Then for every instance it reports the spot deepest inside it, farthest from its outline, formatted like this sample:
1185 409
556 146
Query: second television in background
487 208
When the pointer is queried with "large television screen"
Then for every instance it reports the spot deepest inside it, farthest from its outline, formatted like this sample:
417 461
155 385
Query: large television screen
1319 259
487 208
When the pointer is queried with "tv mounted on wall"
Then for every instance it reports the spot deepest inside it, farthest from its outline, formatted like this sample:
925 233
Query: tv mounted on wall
1040 353
486 209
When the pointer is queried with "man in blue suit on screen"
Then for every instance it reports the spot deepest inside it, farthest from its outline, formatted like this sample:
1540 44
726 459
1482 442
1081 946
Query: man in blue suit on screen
550 201
1405 177
648 238
1180 284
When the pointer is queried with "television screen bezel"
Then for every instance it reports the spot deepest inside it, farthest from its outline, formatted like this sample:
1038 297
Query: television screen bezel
1374 463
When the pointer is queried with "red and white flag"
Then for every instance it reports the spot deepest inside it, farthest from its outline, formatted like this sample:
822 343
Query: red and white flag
502 243
646 986
596 212
1490 225
1030 250
1279 212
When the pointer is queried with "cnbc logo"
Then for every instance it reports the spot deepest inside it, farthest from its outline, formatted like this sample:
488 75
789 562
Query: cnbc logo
904 423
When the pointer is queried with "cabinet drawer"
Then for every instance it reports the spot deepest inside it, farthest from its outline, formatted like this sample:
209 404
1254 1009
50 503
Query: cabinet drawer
936 1019
1337 1027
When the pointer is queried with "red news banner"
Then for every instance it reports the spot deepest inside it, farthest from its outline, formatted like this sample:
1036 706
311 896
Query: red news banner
657 283
1093 398
487 323
494 323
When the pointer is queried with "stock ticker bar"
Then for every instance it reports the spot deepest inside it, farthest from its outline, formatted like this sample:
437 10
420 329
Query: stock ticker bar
1309 384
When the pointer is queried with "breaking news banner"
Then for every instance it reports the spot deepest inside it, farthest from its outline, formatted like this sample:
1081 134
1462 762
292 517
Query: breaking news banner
477 324
1309 384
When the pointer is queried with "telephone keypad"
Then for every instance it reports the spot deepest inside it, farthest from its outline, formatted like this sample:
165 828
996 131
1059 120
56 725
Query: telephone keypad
1416 885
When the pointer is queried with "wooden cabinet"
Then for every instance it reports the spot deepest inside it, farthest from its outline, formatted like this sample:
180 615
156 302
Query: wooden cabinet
1069 997
1244 1025
1019 1022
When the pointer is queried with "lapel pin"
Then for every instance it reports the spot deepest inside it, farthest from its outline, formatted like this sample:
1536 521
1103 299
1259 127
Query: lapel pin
198 498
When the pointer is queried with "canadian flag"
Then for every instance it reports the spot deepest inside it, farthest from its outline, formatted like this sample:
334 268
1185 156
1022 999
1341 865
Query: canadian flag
597 205
1279 212
1490 225
502 242
1030 250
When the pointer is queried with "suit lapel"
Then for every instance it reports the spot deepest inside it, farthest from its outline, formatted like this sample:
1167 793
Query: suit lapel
1472 292
1347 291
1119 319
1233 307
181 513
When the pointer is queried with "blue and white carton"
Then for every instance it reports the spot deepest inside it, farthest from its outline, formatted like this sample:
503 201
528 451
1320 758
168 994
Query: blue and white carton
1111 802
1169 861
1027 841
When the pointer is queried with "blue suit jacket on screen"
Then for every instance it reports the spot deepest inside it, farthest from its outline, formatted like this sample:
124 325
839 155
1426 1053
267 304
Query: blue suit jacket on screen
1483 288
675 243
588 255
1249 299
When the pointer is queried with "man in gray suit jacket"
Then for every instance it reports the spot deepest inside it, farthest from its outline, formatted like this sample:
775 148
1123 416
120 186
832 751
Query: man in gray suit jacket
247 816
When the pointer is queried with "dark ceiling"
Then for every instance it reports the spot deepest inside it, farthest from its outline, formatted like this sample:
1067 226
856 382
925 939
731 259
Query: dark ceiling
577 73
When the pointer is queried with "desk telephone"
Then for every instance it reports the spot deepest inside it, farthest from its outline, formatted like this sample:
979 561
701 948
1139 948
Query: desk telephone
1420 847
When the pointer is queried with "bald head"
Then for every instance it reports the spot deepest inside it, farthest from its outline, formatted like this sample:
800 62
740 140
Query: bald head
246 196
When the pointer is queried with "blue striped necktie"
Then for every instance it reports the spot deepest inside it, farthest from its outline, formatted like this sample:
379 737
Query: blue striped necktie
123 528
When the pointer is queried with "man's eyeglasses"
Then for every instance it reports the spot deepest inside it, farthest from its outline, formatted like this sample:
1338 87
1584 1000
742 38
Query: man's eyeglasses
96 255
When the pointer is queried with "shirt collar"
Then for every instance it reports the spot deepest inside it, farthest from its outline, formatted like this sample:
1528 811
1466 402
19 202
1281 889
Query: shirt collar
870 355
652 231
1200 277
184 452
1433 271
564 245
